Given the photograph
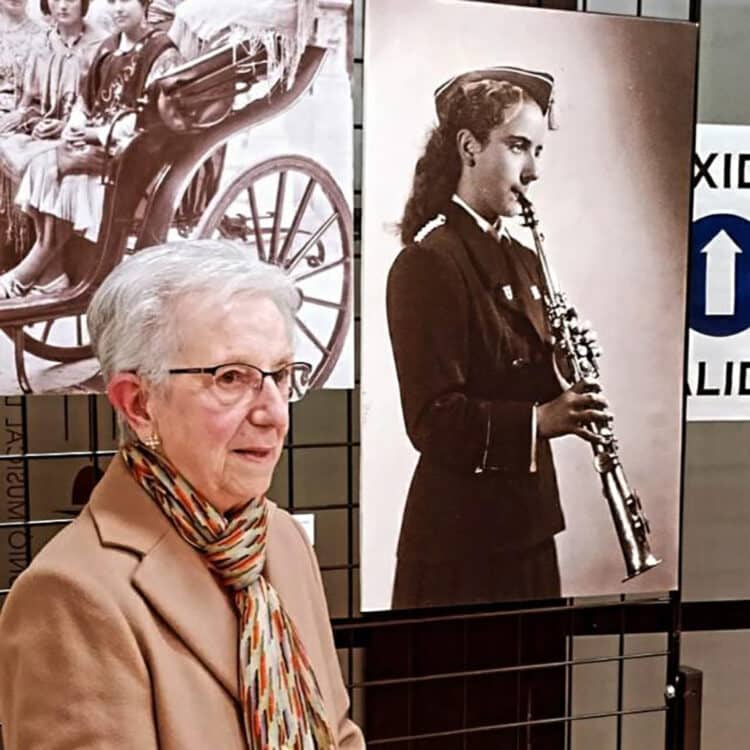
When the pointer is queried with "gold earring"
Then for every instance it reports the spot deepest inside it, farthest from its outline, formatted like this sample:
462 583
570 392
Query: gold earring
152 442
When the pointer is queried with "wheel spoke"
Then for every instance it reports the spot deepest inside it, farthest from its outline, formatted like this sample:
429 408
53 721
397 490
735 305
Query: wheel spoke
47 330
323 350
280 240
290 235
277 217
319 269
64 339
256 223
323 302
313 240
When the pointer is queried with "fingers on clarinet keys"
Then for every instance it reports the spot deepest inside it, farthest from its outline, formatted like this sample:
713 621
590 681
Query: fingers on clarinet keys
588 385
591 411
578 411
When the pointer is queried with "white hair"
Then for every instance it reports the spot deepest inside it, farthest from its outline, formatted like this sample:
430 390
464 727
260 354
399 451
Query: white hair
133 317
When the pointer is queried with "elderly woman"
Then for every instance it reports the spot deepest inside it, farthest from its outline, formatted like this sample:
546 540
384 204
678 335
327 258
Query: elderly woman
182 609
480 393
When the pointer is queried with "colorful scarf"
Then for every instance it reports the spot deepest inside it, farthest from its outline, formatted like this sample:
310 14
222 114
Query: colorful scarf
282 704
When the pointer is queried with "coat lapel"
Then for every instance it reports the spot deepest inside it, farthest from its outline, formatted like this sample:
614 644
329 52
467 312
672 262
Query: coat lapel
507 268
171 575
531 283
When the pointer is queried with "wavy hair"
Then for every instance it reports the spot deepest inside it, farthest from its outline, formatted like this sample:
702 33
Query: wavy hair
479 107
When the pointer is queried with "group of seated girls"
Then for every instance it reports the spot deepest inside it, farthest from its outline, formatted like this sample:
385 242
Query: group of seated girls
65 83
75 83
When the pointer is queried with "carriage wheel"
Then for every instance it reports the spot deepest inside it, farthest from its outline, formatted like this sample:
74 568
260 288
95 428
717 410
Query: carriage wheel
294 215
63 339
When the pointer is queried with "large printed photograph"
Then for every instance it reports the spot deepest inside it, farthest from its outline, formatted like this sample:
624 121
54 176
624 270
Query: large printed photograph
128 123
526 209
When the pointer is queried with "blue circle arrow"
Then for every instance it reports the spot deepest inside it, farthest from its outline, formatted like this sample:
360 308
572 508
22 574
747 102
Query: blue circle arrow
702 318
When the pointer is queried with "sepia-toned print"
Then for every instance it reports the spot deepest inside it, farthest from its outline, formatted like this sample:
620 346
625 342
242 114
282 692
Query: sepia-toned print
524 279
131 123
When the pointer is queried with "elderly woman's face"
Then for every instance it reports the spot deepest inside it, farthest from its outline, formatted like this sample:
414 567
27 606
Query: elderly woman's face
227 453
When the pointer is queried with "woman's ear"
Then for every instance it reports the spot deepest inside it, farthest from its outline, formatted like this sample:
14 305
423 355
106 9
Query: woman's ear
468 147
128 394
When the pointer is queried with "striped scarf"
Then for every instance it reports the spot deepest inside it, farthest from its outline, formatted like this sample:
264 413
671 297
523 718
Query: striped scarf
282 705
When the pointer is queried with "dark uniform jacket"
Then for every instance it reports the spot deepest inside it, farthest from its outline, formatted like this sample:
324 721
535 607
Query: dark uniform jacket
116 80
473 355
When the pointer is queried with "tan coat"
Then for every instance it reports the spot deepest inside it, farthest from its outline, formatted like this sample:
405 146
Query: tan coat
118 637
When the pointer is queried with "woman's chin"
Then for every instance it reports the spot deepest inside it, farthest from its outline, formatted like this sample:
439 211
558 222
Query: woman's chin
245 485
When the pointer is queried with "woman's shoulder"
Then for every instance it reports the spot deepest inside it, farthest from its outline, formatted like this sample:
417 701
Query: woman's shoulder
35 35
74 560
34 27
292 569
158 39
284 531
108 43
90 44
93 35
159 54
434 248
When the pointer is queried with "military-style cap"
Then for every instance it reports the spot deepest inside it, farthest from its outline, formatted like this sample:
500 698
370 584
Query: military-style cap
539 86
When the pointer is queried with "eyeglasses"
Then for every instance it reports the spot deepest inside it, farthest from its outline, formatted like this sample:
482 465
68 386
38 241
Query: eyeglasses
236 380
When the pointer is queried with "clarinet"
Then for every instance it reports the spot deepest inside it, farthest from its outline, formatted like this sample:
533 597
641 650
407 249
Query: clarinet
631 524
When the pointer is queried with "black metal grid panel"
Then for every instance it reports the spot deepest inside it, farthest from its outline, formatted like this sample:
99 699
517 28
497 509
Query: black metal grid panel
432 680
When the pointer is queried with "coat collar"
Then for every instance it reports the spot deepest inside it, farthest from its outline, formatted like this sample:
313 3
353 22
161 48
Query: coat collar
499 228
508 269
171 575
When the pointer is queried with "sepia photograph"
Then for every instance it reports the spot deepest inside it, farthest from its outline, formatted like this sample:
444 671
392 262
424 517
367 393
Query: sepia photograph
526 212
125 125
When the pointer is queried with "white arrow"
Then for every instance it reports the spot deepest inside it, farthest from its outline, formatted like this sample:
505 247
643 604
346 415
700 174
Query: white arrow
721 264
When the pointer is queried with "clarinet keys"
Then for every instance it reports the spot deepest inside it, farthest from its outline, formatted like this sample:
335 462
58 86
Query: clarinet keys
576 352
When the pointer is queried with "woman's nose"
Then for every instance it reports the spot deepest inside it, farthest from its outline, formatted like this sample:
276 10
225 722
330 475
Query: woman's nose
530 169
270 406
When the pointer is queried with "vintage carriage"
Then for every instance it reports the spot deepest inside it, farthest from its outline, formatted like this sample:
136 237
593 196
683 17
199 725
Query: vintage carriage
170 181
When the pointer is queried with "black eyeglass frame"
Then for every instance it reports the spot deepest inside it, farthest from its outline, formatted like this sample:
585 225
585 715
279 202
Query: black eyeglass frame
306 368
